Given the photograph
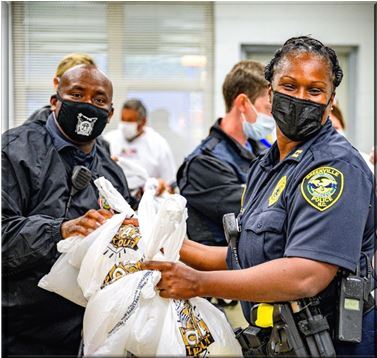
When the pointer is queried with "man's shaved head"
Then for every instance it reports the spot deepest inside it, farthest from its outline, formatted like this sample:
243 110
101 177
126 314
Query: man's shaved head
86 75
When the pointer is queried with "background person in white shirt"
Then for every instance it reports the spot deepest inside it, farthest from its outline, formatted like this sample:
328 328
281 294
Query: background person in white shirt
136 144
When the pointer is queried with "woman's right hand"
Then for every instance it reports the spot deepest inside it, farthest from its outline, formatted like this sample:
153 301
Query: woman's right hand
178 281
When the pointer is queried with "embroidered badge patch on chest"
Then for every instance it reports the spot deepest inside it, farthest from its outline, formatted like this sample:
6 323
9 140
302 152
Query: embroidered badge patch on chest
322 187
277 190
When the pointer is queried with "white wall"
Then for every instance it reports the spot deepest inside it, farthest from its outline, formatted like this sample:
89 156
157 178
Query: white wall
341 24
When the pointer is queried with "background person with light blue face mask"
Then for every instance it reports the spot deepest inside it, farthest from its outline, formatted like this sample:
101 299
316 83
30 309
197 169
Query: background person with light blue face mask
213 176
261 129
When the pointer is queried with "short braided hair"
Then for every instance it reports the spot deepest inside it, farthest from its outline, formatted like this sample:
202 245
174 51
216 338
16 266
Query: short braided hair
305 44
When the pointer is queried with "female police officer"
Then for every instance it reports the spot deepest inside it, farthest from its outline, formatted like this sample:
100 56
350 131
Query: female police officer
308 206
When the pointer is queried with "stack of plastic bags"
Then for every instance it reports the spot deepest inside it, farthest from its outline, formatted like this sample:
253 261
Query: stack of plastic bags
124 312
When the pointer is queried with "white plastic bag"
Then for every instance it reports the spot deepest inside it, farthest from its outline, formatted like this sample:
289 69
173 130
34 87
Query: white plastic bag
197 328
117 307
104 253
101 256
77 254
136 175
63 276
129 315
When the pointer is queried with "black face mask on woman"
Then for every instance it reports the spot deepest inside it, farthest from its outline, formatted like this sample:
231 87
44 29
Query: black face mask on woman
298 119
80 121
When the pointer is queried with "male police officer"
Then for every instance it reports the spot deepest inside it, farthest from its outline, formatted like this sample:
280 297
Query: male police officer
212 177
37 163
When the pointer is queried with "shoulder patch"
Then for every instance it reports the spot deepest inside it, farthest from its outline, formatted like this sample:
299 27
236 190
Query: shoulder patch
296 154
277 190
322 187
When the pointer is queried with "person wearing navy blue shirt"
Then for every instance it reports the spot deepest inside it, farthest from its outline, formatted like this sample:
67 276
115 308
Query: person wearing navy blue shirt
308 209
213 176
38 158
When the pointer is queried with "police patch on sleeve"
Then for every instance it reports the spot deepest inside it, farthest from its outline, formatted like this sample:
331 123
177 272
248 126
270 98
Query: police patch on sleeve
322 187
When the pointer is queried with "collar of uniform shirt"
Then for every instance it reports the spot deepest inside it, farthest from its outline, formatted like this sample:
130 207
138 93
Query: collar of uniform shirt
60 143
271 158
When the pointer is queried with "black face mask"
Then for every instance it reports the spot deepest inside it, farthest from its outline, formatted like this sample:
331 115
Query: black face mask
81 122
298 119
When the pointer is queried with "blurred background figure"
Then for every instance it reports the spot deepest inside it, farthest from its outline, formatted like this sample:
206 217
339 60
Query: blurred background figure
338 122
140 150
70 61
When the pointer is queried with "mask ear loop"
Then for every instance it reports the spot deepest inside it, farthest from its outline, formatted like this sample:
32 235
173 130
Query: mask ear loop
328 102
252 106
254 109
109 111
60 99
57 97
